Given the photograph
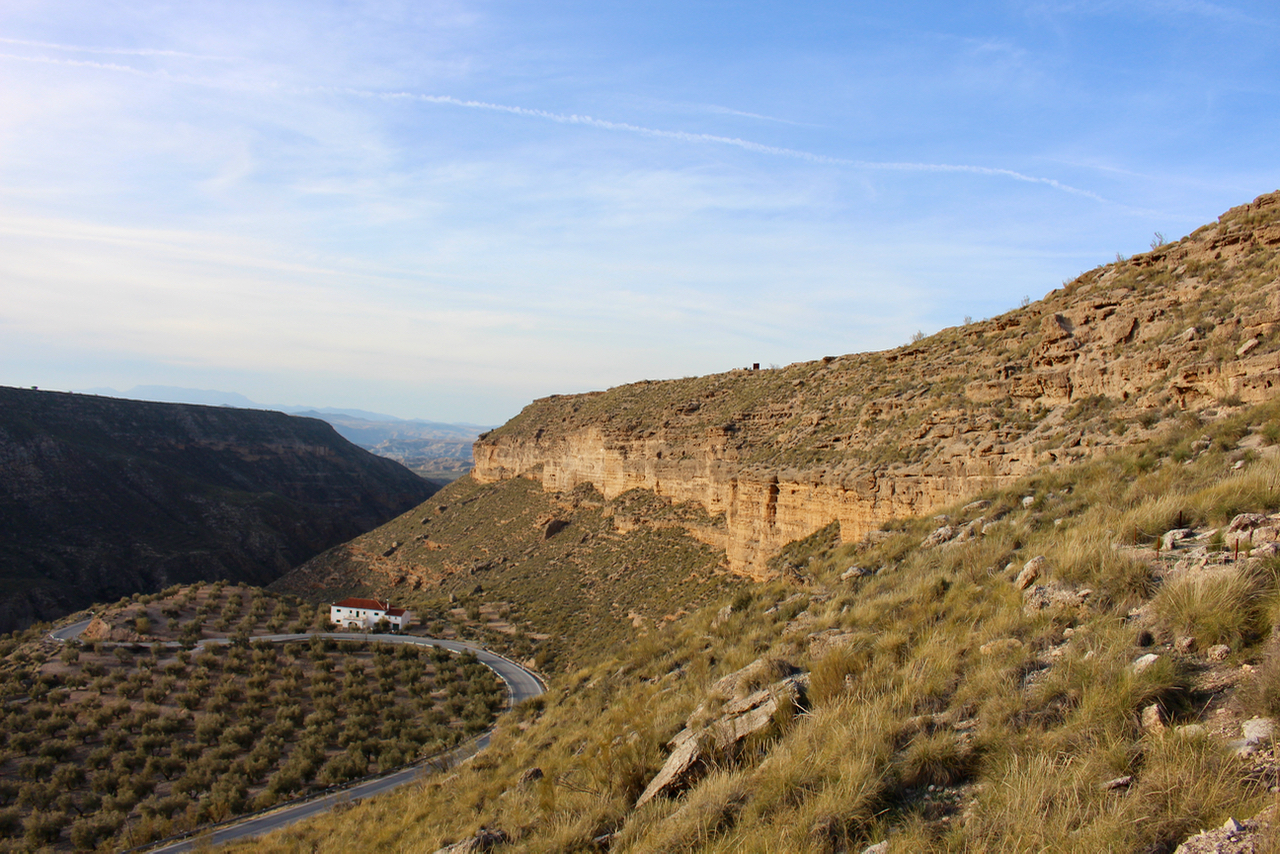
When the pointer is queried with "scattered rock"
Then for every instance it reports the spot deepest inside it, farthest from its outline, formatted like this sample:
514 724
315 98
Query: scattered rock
1247 522
722 616
1185 645
484 840
533 775
1118 783
1054 596
1039 563
1175 536
1257 732
1152 719
553 527
1265 550
878 848
1031 570
938 537
1218 652
856 572
1143 662
1028 500
1247 346
1000 646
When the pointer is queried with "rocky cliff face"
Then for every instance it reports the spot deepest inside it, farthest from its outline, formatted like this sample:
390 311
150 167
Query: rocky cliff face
101 497
1191 326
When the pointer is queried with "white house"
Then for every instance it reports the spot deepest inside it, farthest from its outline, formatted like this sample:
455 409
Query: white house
362 614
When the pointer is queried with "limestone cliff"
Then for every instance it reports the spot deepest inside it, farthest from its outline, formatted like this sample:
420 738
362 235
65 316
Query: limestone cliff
101 497
860 439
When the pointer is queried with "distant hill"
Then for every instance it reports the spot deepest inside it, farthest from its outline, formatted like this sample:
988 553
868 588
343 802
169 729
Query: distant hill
435 450
101 497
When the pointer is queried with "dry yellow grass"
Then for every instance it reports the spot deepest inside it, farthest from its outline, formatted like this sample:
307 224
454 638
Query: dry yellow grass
1015 715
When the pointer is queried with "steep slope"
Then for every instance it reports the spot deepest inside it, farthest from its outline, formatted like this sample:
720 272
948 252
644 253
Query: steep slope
1086 660
861 439
102 497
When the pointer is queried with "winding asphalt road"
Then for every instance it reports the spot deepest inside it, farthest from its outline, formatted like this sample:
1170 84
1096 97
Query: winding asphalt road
521 685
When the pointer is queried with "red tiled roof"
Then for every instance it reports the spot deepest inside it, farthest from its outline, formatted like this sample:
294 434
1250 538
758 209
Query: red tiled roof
395 612
367 604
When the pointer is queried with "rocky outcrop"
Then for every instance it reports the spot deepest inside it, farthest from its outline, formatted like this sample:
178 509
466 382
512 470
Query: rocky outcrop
1234 837
101 497
742 704
862 439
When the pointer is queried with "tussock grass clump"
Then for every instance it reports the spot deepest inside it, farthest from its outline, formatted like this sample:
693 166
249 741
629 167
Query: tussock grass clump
1227 606
689 825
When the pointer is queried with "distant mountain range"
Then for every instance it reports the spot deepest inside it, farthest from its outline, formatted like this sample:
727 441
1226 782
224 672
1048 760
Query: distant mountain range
435 450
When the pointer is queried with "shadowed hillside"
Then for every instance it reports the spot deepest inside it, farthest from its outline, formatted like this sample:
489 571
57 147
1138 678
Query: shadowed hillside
101 497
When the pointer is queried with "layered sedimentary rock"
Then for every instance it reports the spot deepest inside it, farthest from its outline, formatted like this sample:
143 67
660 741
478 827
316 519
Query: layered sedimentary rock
101 497
1191 326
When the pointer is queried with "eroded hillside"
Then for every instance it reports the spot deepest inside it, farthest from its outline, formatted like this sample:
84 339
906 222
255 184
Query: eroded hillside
1101 363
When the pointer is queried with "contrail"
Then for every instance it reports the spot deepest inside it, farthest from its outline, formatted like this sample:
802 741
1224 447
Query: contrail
562 118
748 145
574 119
729 111
119 51
83 63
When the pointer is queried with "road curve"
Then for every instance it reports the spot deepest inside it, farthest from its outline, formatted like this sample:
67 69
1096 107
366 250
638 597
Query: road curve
70 631
521 685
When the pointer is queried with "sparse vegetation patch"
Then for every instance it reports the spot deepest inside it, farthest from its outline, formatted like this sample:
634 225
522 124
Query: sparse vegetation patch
110 743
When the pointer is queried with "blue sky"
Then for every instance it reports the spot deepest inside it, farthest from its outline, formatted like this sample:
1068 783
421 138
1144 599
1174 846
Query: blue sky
446 209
